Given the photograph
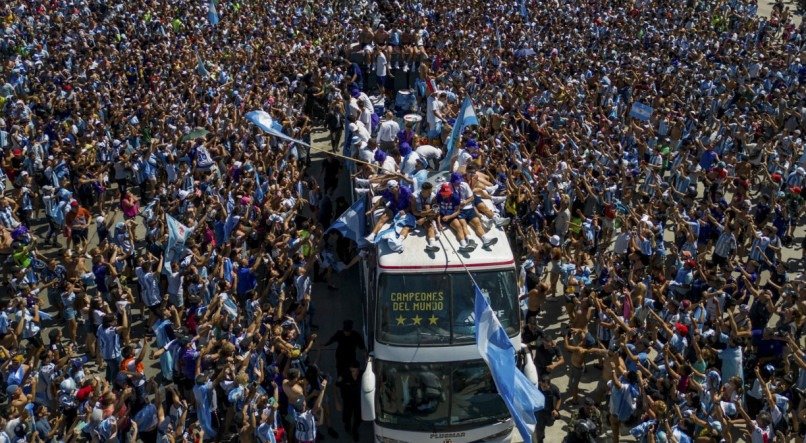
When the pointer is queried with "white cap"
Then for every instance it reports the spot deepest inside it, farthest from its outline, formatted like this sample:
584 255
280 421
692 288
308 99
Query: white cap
183 194
392 184
99 219
555 240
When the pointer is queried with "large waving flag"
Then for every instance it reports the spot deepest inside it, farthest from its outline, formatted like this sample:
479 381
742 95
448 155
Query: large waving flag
466 117
263 120
523 11
177 236
351 222
212 12
522 398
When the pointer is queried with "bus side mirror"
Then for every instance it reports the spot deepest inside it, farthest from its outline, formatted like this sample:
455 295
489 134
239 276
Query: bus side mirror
368 393
529 368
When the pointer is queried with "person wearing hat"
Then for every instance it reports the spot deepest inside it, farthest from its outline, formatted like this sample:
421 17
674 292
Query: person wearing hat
450 207
396 201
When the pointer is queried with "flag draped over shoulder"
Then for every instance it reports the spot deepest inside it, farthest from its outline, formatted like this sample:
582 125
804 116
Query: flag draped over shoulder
351 223
522 398
263 120
466 117
177 236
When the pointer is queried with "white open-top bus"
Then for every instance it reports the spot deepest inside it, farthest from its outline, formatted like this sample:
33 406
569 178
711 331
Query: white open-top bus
425 379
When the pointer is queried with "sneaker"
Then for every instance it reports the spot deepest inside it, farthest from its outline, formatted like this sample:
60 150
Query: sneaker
487 223
370 238
498 199
492 241
406 67
431 248
397 65
501 221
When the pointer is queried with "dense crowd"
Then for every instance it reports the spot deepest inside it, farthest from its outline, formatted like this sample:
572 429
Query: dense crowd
646 158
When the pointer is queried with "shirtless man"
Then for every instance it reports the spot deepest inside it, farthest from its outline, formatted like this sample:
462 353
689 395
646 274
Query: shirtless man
365 44
535 299
574 342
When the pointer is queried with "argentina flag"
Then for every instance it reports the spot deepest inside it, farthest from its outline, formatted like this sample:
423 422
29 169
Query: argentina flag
263 120
466 117
351 222
522 398
212 12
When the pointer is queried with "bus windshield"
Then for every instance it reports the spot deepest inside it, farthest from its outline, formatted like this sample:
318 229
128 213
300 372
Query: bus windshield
437 309
433 396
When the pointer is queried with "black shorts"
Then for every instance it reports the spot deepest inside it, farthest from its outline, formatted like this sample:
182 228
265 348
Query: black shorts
645 259
156 309
36 340
78 234
718 260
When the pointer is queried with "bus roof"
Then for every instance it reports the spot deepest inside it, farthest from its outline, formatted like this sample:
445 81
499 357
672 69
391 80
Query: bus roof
448 257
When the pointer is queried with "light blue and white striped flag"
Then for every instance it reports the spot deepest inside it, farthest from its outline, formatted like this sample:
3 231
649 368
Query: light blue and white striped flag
351 222
466 117
263 120
201 69
522 398
212 12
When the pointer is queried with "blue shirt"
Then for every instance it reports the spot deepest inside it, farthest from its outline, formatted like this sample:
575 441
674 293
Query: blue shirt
246 280
109 342
707 159
399 203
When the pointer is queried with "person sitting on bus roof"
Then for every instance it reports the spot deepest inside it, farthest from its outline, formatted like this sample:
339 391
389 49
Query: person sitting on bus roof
450 206
468 212
397 200
472 179
424 208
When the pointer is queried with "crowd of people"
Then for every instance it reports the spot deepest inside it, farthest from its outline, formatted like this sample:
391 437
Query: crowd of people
646 158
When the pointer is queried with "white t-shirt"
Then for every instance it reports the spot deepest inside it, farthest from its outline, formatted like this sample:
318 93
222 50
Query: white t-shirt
380 64
409 164
389 164
465 192
462 159
429 152
434 106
